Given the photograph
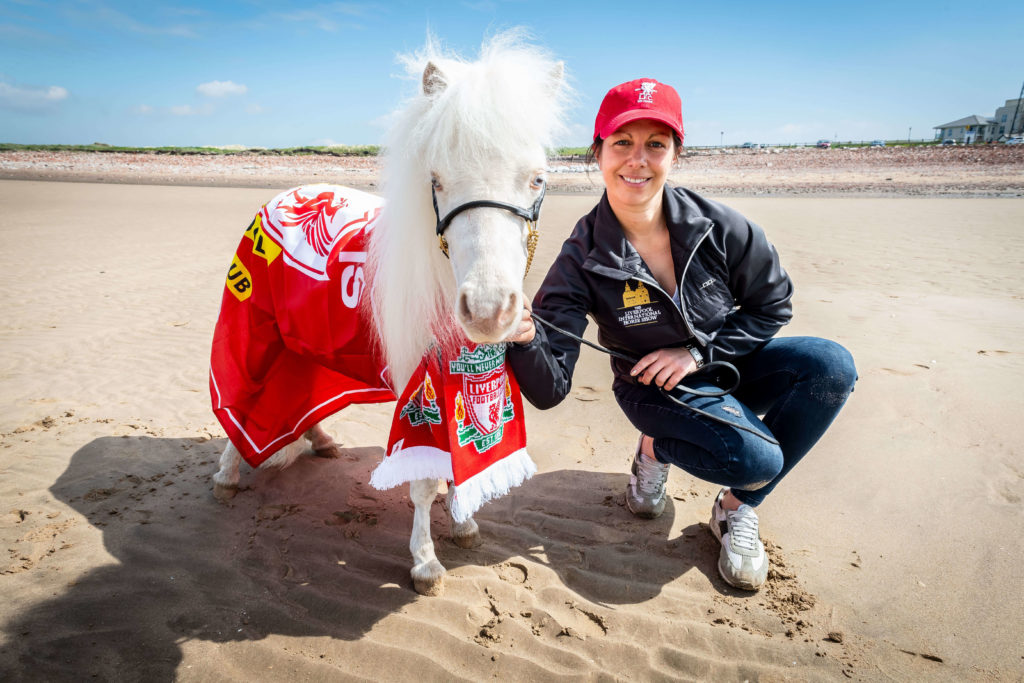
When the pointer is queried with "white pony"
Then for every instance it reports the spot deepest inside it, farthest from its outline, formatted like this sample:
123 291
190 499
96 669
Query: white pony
473 131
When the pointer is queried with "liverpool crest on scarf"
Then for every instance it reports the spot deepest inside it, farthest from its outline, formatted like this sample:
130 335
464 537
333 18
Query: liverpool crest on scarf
460 419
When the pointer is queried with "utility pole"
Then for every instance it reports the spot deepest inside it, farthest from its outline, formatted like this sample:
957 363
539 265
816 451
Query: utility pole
908 133
1016 110
721 138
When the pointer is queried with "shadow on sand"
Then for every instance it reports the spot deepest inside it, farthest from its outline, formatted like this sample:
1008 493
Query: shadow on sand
309 551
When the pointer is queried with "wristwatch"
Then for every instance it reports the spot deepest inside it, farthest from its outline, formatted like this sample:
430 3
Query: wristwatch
698 357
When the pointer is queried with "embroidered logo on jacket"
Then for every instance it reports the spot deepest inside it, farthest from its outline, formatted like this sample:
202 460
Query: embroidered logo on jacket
635 297
636 307
484 404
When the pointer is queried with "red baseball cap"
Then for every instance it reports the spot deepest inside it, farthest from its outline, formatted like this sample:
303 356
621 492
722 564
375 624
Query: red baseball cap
644 98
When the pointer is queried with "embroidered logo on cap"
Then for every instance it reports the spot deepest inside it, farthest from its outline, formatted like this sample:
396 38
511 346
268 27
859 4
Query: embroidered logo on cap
646 92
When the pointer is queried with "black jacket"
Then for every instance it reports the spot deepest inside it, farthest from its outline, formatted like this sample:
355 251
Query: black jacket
735 294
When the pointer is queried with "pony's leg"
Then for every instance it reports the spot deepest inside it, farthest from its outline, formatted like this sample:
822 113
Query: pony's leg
321 442
465 534
225 481
427 572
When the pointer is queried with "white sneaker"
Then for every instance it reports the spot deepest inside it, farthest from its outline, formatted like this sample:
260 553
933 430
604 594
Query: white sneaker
742 561
645 495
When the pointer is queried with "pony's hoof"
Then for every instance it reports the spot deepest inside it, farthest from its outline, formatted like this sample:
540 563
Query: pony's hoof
466 534
329 451
428 579
224 492
470 540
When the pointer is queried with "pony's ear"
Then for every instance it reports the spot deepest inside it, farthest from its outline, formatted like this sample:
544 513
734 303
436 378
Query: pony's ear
433 79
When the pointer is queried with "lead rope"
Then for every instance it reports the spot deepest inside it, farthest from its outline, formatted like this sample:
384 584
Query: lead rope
716 365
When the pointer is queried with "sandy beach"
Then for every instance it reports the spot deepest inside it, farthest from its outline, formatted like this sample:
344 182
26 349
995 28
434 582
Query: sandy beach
895 544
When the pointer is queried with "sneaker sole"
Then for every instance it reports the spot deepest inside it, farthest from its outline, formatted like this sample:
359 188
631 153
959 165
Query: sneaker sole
737 583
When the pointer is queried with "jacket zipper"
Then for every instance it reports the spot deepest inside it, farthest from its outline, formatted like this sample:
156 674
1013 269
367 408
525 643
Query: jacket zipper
693 253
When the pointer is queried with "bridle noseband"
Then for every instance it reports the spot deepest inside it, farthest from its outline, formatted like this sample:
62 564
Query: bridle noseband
529 215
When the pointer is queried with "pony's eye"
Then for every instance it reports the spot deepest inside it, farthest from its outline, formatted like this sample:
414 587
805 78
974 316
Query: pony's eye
435 183
537 182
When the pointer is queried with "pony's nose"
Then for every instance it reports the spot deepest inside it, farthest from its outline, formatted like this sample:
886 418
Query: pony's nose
485 321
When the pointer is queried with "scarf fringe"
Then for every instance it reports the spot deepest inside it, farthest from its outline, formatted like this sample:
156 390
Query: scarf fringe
493 482
410 464
426 462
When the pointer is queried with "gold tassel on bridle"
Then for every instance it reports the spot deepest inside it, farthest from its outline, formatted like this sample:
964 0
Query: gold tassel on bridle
531 244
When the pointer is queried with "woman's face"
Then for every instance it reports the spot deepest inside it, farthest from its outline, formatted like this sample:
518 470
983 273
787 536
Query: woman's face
635 161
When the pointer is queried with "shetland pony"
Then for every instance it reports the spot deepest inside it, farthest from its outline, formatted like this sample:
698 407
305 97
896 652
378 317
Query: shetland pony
474 130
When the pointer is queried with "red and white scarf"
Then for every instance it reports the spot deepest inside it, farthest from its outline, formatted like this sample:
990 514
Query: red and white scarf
292 346
460 419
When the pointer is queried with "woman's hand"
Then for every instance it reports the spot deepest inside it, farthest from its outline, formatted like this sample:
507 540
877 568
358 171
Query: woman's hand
525 332
665 367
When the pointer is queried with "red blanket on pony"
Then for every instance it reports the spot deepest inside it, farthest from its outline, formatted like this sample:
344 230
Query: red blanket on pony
293 345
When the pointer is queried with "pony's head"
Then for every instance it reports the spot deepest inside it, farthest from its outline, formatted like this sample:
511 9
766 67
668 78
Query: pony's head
474 131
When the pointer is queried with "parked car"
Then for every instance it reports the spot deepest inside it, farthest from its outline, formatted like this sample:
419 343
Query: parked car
824 144
878 143
749 145
1017 140
948 141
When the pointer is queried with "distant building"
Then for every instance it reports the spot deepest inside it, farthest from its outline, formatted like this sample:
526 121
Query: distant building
1010 114
1007 122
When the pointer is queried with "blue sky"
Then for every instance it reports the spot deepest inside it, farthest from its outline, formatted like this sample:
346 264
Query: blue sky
284 74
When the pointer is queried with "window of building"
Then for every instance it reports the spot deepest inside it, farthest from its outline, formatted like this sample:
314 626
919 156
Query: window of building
1003 120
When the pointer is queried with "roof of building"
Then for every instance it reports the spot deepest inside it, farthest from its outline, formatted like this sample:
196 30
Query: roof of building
972 120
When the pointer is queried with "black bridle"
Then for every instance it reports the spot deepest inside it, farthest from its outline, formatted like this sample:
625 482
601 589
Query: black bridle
529 215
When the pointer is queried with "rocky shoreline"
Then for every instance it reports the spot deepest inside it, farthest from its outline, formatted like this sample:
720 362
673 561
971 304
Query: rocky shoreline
977 171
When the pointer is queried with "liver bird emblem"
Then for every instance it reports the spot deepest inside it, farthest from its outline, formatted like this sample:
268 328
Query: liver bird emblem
313 215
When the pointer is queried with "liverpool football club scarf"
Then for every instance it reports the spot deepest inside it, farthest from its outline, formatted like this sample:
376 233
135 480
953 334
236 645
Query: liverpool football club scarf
460 419
293 345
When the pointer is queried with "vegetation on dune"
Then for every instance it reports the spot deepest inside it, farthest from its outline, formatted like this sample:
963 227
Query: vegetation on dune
335 150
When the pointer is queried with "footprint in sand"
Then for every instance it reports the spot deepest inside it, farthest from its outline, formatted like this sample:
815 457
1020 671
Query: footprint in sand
512 572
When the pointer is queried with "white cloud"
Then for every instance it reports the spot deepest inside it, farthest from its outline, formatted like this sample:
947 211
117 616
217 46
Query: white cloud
30 98
143 109
253 108
221 89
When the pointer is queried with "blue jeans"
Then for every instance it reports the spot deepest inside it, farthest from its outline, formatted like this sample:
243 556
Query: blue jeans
798 384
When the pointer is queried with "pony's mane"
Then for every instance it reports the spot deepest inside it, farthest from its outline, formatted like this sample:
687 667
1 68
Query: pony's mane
505 100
